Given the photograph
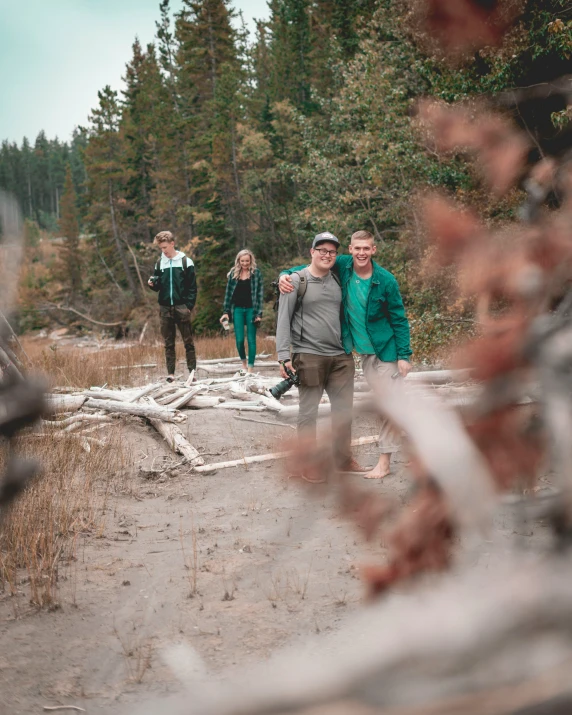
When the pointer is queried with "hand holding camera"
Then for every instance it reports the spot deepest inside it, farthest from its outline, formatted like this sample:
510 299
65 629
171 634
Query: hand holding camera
291 379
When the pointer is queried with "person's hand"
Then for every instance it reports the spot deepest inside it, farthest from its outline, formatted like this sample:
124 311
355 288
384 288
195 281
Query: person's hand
285 284
257 319
150 283
283 372
404 367
223 317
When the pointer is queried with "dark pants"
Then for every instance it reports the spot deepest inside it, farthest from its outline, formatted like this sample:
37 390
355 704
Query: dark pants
335 375
172 316
244 318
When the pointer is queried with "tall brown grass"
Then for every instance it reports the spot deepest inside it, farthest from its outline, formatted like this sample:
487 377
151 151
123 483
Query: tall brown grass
70 366
68 499
39 535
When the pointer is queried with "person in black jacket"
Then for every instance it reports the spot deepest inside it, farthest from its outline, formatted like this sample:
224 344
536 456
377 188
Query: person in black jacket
175 281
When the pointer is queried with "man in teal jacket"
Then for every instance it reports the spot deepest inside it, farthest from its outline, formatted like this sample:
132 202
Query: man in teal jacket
374 325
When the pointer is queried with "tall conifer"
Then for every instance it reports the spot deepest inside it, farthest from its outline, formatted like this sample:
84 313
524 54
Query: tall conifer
69 229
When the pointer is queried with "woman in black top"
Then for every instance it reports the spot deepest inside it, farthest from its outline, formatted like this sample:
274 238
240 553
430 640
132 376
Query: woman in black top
243 302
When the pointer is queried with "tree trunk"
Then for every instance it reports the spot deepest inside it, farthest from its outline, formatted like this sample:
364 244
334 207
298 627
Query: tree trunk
133 287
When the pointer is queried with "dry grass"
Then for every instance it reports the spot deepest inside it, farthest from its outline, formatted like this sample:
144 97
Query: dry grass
70 366
36 536
39 535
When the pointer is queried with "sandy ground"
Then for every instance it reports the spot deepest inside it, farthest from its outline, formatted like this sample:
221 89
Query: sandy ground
236 564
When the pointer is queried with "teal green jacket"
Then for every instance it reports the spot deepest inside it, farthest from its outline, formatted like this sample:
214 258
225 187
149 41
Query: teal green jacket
386 322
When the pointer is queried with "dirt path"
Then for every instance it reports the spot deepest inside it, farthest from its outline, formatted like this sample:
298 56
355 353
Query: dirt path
266 563
236 564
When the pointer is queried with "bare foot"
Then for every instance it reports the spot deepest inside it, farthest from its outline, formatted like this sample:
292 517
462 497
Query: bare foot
377 473
381 469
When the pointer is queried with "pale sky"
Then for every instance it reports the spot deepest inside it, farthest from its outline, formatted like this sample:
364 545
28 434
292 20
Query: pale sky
56 54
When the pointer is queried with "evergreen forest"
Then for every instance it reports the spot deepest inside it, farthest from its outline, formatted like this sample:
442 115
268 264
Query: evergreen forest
235 140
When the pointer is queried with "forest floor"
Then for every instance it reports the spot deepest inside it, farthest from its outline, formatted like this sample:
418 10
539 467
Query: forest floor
236 564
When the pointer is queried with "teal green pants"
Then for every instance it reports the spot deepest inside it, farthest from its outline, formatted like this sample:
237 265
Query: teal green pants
240 318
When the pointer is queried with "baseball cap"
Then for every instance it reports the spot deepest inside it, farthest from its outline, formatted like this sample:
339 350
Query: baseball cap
323 237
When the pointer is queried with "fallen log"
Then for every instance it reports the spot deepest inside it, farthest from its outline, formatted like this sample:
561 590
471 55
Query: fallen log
100 394
178 442
202 401
268 457
186 397
63 403
82 417
139 410
216 361
146 391
134 367
238 405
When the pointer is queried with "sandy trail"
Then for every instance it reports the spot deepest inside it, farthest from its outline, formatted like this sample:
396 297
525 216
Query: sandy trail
270 565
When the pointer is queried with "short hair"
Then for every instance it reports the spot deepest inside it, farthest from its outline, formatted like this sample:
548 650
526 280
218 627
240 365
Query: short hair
164 237
362 236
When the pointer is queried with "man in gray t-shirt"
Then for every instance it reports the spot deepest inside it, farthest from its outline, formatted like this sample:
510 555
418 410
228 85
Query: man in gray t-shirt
310 327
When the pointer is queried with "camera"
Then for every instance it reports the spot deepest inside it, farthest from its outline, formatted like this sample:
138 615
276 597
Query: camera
282 387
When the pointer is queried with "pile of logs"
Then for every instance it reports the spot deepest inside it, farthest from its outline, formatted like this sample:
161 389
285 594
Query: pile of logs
218 385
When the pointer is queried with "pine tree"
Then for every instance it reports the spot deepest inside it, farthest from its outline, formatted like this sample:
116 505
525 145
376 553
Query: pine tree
108 177
142 109
69 229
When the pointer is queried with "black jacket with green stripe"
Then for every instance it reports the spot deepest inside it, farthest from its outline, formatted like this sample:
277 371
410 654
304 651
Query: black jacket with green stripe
175 281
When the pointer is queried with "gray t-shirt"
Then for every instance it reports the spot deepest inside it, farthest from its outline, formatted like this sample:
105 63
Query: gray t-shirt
315 327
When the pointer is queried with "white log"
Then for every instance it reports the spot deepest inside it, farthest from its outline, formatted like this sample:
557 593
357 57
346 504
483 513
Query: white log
247 406
165 390
167 399
82 417
63 403
145 391
178 442
216 361
139 410
186 397
203 401
245 460
134 367
268 457
121 395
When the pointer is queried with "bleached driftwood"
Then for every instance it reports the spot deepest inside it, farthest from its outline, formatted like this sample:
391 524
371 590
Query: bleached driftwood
134 367
139 410
185 398
269 457
82 417
102 394
202 401
145 391
166 399
178 442
64 403
216 361
239 405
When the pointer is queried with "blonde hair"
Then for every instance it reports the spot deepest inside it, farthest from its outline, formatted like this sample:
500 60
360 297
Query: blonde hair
235 270
362 236
164 237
